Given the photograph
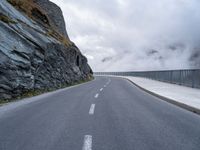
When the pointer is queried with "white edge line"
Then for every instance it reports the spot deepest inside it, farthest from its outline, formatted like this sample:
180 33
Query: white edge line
97 95
92 108
4 108
87 144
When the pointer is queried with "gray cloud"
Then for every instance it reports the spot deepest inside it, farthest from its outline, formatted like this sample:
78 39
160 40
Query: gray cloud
118 35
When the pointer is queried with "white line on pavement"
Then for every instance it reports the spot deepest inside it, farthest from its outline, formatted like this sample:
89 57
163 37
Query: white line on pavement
87 144
92 108
108 82
97 95
104 85
101 89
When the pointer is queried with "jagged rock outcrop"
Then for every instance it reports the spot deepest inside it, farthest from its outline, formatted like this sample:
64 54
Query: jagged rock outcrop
54 14
35 51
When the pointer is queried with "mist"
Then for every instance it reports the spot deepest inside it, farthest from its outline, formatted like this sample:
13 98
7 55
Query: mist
130 35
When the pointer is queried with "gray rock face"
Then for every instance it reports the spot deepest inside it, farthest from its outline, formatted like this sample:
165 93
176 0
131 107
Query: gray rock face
31 59
54 14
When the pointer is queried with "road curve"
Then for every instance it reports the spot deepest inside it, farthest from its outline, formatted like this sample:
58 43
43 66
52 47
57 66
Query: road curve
104 114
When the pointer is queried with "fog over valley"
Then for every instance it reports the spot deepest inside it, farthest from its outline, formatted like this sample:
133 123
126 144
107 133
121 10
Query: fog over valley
129 35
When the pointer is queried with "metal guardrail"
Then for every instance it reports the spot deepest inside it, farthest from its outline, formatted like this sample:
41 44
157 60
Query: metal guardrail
190 78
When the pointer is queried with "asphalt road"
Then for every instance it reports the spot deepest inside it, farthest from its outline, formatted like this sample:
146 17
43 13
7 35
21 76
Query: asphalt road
104 114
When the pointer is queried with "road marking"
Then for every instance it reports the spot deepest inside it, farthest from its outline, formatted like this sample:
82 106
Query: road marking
87 144
101 89
92 108
109 82
104 85
97 95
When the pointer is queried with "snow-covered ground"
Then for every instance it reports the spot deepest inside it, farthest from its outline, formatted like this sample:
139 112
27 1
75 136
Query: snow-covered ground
181 94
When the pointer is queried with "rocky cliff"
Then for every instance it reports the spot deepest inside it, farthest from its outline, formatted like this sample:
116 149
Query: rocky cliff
35 51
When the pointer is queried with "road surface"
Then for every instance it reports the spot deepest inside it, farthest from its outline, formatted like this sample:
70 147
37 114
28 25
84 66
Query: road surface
104 114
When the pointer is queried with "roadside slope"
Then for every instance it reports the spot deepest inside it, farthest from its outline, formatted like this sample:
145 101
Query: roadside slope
36 53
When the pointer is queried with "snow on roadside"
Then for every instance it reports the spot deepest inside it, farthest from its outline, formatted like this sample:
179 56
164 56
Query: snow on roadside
182 94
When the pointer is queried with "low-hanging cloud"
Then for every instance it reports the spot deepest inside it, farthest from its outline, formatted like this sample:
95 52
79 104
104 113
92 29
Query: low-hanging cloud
124 35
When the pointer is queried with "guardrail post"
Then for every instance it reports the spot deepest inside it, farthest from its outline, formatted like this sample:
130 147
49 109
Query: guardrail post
193 78
180 78
171 72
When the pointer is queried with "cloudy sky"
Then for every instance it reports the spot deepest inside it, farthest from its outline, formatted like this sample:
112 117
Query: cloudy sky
126 35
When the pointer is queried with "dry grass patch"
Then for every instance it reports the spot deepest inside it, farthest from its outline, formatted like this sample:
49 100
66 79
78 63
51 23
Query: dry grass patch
6 19
51 32
34 11
31 9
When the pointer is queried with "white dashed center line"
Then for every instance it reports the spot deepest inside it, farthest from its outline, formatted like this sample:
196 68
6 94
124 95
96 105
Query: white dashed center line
92 108
87 144
97 95
101 89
